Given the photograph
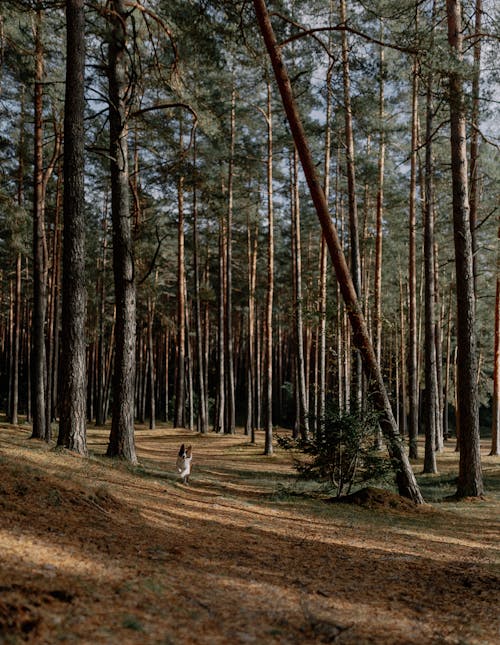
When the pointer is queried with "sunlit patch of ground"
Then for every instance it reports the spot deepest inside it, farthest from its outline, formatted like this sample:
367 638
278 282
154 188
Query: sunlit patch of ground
95 551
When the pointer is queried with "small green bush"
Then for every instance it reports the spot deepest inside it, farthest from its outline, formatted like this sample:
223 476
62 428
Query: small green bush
342 453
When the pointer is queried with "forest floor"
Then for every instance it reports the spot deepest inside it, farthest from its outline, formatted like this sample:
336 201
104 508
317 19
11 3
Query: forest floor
94 551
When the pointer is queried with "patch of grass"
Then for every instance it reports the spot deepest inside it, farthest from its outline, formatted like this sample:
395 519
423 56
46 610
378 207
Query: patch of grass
133 623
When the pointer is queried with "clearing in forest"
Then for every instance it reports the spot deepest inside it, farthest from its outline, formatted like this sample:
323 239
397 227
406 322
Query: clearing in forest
94 551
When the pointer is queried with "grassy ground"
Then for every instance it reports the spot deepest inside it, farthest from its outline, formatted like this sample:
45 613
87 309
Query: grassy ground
94 551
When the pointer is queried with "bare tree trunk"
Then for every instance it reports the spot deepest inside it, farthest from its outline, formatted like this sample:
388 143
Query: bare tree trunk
72 422
377 288
446 432
430 407
251 373
151 365
219 421
474 136
407 483
470 481
495 424
303 419
202 422
268 335
412 273
38 359
14 382
356 395
121 440
180 388
230 428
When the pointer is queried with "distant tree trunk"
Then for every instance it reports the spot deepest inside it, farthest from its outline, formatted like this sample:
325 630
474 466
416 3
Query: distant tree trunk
100 405
430 407
230 428
180 388
220 404
407 483
353 208
202 422
377 288
121 440
251 373
495 425
402 332
474 136
412 274
16 340
38 359
446 432
268 334
470 481
151 365
72 399
302 407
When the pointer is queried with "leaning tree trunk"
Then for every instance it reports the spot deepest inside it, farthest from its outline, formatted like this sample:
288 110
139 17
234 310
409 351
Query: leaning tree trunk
121 440
470 481
407 483
72 399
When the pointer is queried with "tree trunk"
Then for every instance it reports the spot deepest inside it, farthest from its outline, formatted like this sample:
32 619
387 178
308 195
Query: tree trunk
230 428
470 481
180 388
121 440
302 407
268 334
495 425
412 274
474 136
407 483
38 360
377 288
202 422
430 407
356 394
72 422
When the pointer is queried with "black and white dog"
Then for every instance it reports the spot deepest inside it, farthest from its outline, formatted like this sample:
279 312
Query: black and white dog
184 459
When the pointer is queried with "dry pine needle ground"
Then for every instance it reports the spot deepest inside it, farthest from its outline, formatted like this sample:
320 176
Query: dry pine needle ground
93 551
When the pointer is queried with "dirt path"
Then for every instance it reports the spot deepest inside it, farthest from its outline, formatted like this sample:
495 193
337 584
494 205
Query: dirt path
95 552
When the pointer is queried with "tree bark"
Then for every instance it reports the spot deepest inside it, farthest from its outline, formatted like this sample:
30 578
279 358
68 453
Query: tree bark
495 424
412 274
407 483
230 428
38 359
430 408
268 335
72 399
121 440
470 481
202 422
180 388
356 391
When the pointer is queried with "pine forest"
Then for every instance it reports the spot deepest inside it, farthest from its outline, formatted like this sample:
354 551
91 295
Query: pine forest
267 230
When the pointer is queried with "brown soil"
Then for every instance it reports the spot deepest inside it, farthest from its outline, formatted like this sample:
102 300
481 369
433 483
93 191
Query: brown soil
93 551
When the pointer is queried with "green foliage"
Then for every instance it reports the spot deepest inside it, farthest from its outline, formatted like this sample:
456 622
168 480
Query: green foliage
342 453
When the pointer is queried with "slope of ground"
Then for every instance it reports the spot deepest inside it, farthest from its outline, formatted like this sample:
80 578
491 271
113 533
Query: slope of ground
93 551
